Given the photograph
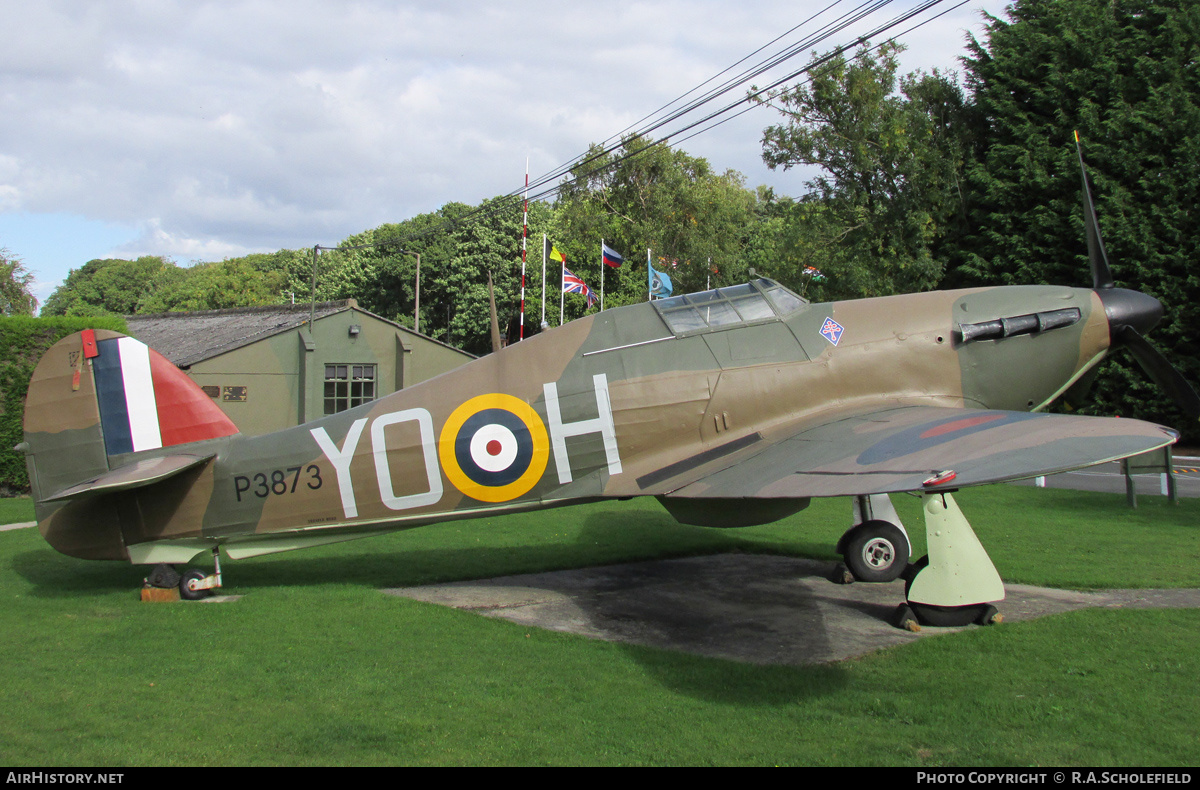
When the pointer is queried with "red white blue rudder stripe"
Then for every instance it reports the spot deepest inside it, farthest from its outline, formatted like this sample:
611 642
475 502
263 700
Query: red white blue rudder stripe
147 403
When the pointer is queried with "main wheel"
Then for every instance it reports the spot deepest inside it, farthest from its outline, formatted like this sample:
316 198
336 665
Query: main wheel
876 551
186 591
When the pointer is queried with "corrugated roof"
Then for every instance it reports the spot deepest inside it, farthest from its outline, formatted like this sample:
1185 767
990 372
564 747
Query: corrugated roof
188 338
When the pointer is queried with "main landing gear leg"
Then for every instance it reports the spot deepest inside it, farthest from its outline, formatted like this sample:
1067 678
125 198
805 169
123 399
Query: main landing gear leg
956 584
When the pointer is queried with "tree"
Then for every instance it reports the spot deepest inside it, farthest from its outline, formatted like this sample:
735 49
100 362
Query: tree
649 196
215 286
294 265
391 289
109 286
16 297
487 239
788 236
1122 73
459 246
890 156
152 284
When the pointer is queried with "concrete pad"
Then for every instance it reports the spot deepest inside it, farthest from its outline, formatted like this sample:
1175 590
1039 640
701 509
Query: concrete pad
758 609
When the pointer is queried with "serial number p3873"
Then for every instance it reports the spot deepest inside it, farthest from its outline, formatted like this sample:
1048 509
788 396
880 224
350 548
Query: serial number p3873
277 482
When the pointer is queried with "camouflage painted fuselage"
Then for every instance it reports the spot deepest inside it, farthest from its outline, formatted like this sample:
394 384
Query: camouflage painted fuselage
616 404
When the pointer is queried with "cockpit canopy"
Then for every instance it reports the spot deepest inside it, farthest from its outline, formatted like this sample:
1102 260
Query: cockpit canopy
749 303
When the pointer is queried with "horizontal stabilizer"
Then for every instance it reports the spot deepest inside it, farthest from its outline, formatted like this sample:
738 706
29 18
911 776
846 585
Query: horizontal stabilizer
135 475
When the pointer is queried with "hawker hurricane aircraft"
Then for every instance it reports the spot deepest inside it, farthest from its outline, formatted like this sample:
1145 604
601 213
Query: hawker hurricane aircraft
733 407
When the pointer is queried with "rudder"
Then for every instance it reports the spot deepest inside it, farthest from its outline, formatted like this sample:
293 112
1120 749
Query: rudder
146 402
97 401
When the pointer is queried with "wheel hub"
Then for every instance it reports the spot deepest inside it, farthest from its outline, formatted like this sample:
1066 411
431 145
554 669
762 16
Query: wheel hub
879 553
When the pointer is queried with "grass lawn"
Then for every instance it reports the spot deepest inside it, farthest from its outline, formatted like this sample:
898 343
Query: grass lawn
16 509
315 666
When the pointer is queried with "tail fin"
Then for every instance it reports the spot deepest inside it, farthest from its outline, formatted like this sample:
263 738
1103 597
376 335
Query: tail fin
97 399
146 402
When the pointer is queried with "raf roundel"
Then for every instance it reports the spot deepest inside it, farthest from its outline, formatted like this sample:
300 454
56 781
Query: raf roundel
494 447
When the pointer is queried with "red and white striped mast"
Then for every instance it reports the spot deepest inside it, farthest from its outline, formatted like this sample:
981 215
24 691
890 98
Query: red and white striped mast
524 238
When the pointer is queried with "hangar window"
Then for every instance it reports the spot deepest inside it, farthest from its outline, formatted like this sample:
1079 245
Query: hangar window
347 386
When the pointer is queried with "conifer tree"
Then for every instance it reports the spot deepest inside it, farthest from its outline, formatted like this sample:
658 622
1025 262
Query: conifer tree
1122 73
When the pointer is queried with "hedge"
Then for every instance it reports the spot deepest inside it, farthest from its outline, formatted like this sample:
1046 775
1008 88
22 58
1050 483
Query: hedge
23 340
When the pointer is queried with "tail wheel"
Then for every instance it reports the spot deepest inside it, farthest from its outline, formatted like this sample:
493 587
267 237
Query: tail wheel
876 551
187 589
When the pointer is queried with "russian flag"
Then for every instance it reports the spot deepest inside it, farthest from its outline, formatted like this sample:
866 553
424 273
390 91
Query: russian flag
612 257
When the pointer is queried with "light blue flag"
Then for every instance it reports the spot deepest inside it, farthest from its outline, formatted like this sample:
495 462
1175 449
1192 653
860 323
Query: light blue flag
660 283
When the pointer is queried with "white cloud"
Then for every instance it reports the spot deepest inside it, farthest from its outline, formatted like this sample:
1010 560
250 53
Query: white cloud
254 125
155 240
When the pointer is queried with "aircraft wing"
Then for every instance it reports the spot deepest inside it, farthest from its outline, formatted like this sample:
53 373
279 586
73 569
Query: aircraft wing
900 448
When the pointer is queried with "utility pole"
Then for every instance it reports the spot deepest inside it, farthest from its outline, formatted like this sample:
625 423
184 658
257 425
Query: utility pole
417 309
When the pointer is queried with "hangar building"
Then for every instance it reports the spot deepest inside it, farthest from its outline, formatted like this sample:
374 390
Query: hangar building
267 371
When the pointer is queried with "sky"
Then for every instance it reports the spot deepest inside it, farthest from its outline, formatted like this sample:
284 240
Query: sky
206 130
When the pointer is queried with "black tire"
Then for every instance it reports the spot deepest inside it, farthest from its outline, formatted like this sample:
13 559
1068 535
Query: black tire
911 572
947 616
163 577
990 615
904 619
876 551
185 590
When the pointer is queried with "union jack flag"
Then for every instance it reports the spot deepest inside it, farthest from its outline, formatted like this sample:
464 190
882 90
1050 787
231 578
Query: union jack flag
575 285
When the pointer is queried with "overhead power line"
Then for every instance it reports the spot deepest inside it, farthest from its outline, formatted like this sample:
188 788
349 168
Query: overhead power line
553 181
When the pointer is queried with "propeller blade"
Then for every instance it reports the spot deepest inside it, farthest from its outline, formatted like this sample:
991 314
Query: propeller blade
1162 372
1101 273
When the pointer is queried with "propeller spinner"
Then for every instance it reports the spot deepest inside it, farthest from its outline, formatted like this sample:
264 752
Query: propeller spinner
1131 313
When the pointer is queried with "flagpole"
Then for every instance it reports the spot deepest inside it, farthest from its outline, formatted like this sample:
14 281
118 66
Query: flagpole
543 324
649 277
562 284
524 237
602 268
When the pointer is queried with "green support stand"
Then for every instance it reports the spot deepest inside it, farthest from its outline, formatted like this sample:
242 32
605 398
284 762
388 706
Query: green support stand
959 572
